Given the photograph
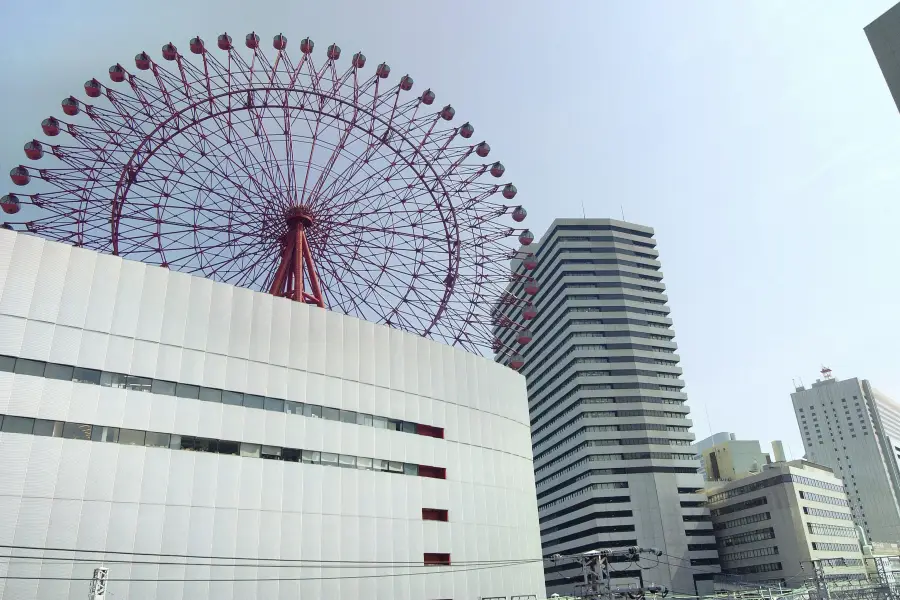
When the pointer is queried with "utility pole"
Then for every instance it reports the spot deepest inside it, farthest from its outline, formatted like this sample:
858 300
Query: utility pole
820 581
597 575
98 584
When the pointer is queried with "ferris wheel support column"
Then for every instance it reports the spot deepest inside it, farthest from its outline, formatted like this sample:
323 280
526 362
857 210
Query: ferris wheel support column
297 264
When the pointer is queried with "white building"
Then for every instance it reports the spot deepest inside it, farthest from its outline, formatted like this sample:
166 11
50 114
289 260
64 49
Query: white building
153 417
771 526
610 428
853 429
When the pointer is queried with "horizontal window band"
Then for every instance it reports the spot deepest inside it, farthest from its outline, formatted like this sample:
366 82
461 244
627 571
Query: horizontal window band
172 441
48 370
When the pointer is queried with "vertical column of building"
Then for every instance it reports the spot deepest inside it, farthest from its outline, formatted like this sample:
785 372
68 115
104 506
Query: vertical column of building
611 437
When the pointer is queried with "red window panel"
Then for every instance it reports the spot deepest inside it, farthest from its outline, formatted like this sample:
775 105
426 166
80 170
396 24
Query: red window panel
436 558
435 514
435 432
433 472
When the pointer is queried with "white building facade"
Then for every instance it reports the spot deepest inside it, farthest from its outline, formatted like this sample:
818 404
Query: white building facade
771 526
207 441
853 429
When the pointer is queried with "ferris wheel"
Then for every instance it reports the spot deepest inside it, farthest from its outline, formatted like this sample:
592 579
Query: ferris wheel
326 184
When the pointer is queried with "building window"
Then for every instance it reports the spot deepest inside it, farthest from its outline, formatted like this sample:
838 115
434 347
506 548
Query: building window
435 514
432 472
436 559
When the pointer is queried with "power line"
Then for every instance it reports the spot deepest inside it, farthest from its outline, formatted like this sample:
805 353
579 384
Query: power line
313 564
432 571
345 563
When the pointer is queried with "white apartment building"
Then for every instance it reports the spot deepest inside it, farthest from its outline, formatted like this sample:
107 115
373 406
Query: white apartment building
853 429
771 525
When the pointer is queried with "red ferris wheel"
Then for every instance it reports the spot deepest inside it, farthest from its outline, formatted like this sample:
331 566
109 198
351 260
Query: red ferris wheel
298 177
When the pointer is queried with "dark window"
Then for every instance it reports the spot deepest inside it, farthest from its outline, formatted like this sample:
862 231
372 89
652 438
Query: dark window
290 455
348 416
210 395
436 558
394 425
332 414
131 437
198 444
104 434
312 410
433 472
157 440
254 401
7 363
30 367
77 431
409 427
115 380
364 419
17 424
233 398
293 408
435 432
410 469
347 461
48 428
183 390
141 384
439 514
233 448
274 404
166 388
54 371
311 457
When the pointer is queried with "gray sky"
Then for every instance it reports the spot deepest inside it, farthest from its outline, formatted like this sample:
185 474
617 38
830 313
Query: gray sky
758 138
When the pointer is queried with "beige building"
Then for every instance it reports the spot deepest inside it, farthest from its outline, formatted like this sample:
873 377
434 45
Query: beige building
771 525
733 459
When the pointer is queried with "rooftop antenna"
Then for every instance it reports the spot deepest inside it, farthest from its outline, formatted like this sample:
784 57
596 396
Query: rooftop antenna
826 372
621 208
583 216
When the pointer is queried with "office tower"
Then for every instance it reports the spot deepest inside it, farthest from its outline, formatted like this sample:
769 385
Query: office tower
611 436
884 37
853 429
772 524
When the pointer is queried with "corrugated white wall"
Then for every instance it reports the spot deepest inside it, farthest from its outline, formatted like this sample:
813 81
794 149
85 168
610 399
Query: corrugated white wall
74 306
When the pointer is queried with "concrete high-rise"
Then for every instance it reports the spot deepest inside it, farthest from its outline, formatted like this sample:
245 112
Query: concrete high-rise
612 443
884 37
853 429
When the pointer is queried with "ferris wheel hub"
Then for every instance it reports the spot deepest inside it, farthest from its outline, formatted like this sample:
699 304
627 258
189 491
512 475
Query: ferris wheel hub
299 216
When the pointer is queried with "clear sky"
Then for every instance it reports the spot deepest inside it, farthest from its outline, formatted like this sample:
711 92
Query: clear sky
758 138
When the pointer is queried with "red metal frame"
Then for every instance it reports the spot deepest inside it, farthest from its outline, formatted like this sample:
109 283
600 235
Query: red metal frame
324 185
297 261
